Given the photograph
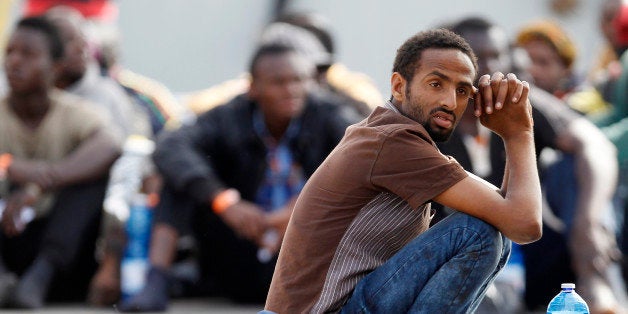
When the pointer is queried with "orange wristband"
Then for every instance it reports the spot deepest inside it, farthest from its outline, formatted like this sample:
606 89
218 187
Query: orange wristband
6 160
224 200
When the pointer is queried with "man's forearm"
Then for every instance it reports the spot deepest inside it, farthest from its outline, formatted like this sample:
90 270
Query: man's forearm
596 168
91 159
596 173
523 188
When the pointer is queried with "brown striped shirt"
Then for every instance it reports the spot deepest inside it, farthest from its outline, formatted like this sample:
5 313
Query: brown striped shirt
367 200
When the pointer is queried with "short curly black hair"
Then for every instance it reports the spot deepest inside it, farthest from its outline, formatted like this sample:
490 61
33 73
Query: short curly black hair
408 56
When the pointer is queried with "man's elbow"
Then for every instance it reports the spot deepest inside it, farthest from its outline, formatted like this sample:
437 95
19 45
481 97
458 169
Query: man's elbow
529 232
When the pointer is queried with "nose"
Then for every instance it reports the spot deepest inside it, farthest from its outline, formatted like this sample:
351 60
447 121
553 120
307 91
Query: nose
449 100
295 87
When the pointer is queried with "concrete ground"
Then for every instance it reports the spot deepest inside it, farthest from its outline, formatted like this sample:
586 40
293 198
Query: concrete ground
181 306
186 306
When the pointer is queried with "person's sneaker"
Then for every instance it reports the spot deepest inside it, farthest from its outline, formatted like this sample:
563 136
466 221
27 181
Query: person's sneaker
153 297
8 281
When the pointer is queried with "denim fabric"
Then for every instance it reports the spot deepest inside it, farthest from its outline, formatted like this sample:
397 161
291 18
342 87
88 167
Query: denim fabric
444 270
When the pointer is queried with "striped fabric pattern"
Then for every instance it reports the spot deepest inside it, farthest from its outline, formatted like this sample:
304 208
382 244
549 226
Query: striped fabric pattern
381 228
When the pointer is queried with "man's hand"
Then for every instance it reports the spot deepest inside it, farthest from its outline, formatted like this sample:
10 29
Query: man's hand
593 247
492 92
10 222
278 221
40 173
512 111
246 219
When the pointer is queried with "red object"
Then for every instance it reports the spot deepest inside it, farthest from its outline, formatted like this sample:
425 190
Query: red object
104 10
621 25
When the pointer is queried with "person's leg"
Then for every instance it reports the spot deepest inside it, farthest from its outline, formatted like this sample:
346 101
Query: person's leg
230 261
444 270
66 245
12 258
172 217
597 284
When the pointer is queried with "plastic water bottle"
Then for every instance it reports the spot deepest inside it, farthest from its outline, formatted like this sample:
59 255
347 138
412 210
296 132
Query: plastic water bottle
125 177
567 301
135 262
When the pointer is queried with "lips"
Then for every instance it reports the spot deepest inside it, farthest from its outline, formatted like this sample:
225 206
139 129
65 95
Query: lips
14 77
443 120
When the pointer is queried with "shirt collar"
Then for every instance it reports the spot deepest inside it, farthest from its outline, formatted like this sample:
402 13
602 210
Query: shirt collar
392 107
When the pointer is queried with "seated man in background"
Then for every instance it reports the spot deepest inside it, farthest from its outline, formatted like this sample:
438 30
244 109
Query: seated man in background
81 75
232 178
57 150
577 246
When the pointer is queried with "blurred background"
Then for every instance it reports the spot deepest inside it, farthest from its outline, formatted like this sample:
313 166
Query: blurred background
193 44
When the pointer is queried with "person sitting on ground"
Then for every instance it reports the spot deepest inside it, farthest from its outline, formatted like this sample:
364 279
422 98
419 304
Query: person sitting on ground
56 151
80 75
578 186
358 239
233 176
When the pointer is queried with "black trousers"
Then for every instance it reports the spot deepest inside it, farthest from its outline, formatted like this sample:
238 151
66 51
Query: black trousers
66 237
225 259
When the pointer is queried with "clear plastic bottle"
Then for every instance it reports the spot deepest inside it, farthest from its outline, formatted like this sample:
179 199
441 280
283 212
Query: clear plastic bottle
125 177
567 301
135 262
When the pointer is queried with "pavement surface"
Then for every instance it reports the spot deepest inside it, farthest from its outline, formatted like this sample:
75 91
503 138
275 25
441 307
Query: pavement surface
181 306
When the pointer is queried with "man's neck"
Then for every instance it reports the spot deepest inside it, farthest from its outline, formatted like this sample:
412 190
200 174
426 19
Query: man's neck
30 108
277 128
67 81
391 106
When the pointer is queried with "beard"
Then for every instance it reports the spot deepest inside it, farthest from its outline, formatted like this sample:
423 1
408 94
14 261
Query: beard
436 133
415 112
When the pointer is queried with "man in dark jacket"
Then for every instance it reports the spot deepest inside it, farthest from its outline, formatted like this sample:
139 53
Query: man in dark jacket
233 177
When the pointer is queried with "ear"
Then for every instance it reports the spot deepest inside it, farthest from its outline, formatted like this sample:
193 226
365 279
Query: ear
252 92
398 87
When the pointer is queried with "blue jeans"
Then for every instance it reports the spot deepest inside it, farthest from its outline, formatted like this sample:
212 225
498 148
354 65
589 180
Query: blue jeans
444 270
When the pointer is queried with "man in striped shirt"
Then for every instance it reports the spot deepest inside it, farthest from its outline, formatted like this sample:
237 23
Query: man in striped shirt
358 239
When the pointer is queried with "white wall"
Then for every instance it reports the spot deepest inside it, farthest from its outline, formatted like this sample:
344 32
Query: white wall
193 44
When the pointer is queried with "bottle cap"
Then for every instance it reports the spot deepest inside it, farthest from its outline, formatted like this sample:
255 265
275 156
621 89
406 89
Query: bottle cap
139 144
568 286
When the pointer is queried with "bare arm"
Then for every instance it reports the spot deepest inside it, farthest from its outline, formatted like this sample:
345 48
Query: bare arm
515 209
90 160
596 167
596 171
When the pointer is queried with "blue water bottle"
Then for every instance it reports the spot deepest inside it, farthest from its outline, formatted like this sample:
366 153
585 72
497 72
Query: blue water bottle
567 301
135 262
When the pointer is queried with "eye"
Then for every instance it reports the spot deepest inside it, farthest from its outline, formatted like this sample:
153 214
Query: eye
435 84
462 91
